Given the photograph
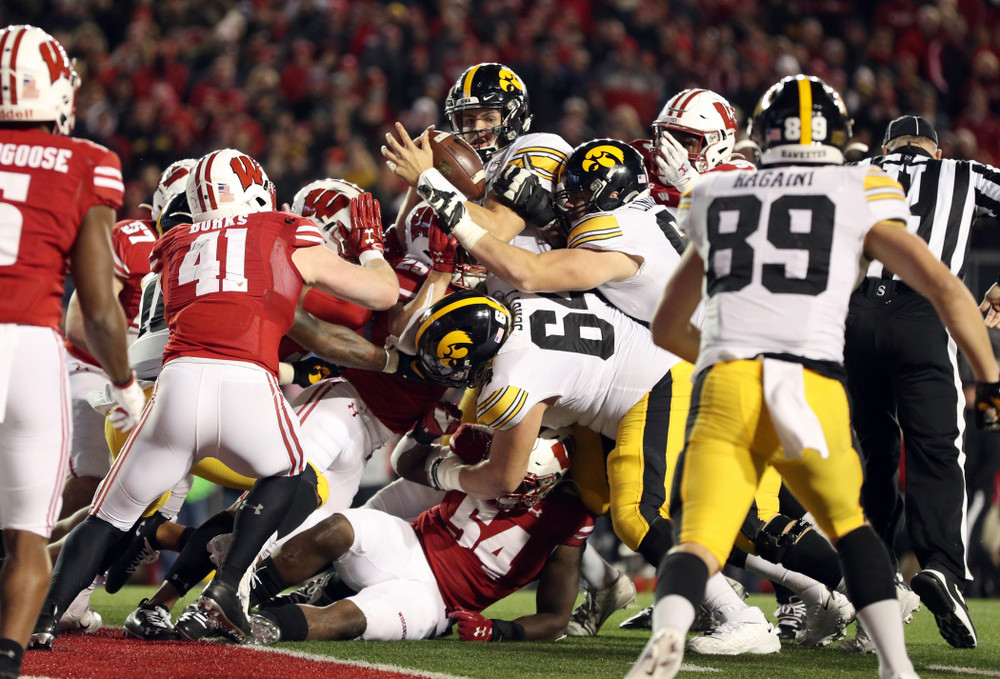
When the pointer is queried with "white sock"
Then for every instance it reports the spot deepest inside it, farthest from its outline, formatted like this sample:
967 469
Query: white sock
674 612
797 582
595 571
719 593
881 621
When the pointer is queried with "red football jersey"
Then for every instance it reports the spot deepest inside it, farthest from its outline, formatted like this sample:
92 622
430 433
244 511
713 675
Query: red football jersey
132 242
397 402
480 554
666 194
47 184
229 285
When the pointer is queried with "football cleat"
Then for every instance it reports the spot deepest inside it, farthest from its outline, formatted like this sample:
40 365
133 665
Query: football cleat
791 618
909 602
80 615
641 620
264 631
139 553
737 638
598 605
150 622
826 620
861 643
44 634
661 658
312 593
704 621
945 601
221 601
194 625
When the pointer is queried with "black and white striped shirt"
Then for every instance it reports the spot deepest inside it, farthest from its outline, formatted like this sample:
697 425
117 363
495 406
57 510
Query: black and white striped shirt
944 196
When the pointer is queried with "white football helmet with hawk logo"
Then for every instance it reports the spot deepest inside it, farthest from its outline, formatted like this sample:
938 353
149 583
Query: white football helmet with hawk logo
37 80
327 202
705 115
228 182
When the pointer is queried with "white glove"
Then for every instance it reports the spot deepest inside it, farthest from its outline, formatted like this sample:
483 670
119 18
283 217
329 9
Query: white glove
672 163
129 400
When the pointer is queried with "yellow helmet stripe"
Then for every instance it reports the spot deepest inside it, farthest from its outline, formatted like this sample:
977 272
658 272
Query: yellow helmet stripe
805 110
457 305
467 84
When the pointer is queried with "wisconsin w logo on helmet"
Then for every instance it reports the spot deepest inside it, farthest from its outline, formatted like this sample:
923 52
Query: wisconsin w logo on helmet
248 171
603 156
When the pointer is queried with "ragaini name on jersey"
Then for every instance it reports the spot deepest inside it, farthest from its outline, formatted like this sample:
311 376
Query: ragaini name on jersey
45 157
785 178
221 223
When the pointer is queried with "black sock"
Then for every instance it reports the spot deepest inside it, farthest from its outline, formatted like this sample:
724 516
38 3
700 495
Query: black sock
304 502
193 562
11 656
812 555
79 562
270 505
657 541
682 574
867 568
185 536
268 583
291 620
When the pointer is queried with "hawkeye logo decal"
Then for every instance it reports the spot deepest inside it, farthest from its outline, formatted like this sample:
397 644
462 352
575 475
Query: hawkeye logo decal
453 348
603 156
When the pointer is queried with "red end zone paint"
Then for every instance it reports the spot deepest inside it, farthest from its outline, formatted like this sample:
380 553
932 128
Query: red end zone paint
107 655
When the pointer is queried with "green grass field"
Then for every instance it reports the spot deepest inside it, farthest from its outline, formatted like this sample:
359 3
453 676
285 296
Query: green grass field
614 650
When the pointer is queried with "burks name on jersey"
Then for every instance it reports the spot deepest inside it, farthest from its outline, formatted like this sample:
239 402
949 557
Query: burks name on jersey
220 223
29 155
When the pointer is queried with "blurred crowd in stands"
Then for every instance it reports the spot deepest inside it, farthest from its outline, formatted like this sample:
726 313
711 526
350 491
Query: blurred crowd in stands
309 87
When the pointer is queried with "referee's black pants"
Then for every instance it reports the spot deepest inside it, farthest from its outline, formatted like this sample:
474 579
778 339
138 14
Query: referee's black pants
902 377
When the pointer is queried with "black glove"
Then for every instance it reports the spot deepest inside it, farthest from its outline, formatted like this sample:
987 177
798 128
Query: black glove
519 189
311 370
988 405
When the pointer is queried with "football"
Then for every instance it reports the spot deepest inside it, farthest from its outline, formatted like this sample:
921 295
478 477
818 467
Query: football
459 163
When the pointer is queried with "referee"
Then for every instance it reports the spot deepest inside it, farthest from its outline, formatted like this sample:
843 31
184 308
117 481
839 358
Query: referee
903 375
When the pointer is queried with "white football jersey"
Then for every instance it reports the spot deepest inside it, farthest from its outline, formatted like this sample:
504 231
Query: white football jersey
543 154
782 250
596 360
643 229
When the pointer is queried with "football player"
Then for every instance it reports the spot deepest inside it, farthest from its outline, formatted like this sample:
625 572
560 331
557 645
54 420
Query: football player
412 581
488 106
59 200
231 282
131 241
772 350
694 133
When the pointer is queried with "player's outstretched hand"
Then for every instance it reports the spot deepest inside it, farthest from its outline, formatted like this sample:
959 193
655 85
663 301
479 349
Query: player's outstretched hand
988 406
366 227
406 157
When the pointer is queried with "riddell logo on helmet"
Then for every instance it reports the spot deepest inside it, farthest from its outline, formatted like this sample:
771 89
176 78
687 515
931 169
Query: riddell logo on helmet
22 114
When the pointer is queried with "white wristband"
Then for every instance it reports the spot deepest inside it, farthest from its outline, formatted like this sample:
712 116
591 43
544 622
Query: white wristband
369 255
434 179
391 361
468 232
444 471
